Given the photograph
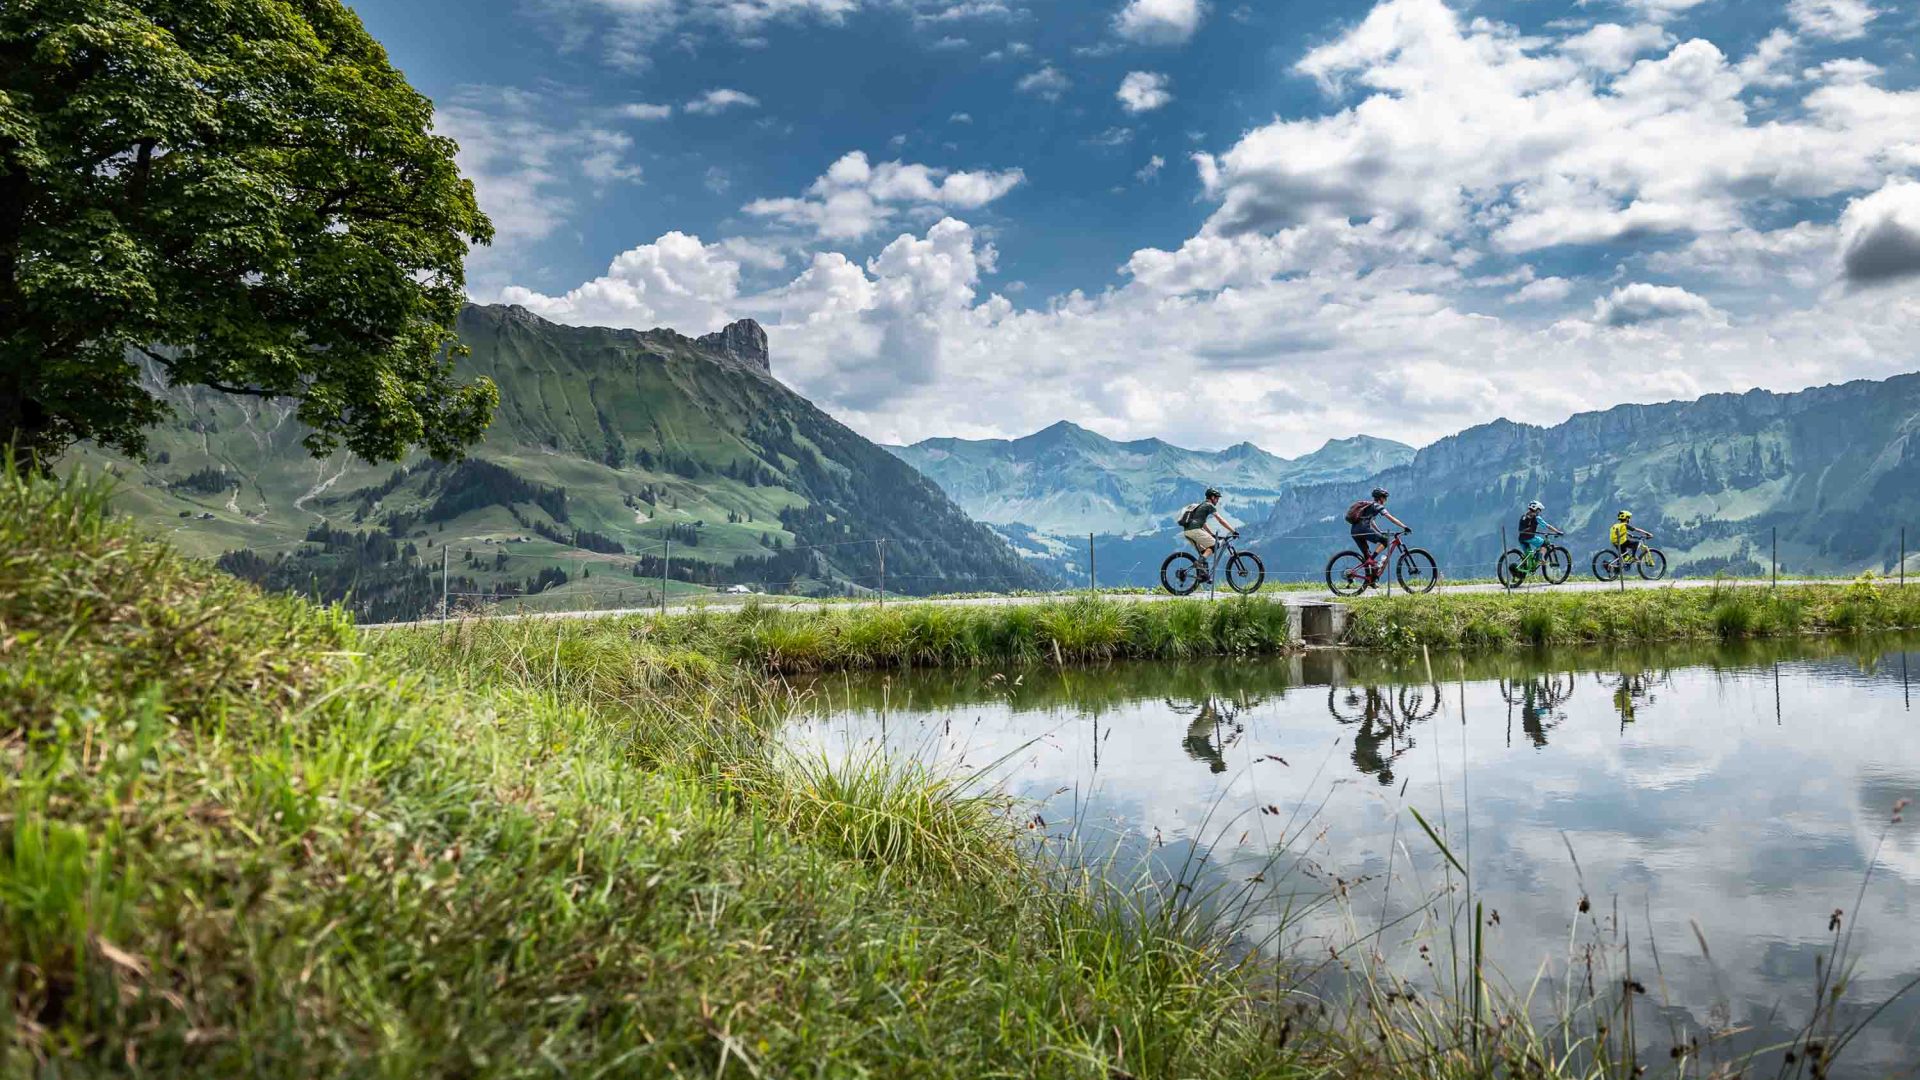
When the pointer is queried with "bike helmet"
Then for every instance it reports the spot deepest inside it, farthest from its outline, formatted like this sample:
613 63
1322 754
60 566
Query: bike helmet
1213 493
1379 493
1536 506
1626 515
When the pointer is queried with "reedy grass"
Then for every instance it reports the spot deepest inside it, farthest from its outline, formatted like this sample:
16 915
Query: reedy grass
1723 612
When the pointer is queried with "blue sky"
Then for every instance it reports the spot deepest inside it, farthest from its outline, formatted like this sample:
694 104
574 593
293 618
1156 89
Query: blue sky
1202 219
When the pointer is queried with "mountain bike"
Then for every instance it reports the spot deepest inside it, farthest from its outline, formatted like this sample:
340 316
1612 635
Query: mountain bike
1180 574
1350 575
1553 561
1608 562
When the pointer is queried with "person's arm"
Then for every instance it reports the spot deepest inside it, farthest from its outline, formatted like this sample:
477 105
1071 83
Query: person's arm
1552 528
1396 521
1223 523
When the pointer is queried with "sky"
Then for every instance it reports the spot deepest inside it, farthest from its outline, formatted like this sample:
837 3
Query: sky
1203 220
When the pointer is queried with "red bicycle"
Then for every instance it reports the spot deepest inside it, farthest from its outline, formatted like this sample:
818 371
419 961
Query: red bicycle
1350 575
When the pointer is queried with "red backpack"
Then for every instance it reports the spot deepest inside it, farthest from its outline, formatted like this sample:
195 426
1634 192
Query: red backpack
1355 511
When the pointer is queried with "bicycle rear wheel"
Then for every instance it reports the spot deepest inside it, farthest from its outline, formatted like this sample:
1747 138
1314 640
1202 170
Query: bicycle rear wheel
1245 572
1417 571
1653 564
1603 565
1180 574
1556 563
1508 570
1347 574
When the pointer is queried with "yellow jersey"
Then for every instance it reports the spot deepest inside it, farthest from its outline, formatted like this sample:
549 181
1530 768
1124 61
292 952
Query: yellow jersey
1618 534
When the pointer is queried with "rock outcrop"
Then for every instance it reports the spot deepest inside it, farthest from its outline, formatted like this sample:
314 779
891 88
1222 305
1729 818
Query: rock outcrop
744 341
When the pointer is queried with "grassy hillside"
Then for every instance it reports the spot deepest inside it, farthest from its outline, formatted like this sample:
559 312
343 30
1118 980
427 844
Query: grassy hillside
614 455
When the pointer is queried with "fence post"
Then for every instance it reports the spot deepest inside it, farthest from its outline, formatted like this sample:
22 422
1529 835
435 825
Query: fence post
443 583
1093 579
1776 556
1903 556
666 563
882 545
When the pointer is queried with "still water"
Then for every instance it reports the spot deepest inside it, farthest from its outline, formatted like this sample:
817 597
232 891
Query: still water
1742 790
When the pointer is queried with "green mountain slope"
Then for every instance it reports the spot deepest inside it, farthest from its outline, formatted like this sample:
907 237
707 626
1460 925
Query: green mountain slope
610 446
1834 469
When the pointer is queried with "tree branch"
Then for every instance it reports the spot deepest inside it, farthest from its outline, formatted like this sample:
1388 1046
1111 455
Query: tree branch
246 391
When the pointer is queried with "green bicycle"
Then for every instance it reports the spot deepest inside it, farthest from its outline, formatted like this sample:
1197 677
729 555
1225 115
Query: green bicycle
1553 561
1609 563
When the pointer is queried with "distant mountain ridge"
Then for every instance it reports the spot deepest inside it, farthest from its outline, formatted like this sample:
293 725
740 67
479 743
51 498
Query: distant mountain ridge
1835 469
1067 480
616 456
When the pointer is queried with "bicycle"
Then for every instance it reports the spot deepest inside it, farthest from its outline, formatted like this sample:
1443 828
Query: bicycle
1552 560
1608 562
1350 575
1180 573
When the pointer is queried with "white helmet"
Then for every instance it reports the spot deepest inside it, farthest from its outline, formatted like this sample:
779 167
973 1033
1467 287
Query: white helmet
1535 506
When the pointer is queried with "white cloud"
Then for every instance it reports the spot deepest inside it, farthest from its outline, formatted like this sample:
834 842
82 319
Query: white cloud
1835 20
1546 290
675 282
1159 22
1144 91
1151 169
855 197
1662 10
960 118
1047 83
641 110
1880 235
525 153
1767 65
1612 47
1631 305
720 100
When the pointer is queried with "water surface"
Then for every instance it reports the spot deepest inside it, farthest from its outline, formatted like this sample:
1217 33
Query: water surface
1743 790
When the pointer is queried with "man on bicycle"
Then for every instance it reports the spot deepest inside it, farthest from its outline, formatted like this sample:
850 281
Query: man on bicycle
1530 539
1365 529
1624 537
1193 524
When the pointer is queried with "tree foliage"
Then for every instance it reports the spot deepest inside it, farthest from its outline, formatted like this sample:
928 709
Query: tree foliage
246 194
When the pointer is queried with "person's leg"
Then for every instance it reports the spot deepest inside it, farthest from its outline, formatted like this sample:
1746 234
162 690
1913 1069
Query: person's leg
1531 553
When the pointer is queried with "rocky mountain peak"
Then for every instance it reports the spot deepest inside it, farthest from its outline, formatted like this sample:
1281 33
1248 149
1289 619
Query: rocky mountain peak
744 341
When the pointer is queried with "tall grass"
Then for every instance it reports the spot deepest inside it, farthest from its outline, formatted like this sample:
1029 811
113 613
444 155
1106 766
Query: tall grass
1725 612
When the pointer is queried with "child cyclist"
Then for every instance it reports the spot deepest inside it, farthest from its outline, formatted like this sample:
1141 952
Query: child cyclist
1530 539
1625 537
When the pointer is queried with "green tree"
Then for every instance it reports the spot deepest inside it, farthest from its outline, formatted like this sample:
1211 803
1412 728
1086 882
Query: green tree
242 193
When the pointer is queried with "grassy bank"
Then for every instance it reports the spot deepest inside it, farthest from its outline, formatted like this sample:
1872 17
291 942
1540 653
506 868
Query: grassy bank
234 841
1543 618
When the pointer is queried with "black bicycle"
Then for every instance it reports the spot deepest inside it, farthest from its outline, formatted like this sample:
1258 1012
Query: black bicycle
1180 574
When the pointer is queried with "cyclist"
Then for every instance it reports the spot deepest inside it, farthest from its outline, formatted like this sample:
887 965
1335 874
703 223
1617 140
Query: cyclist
1530 539
1193 523
1362 517
1624 537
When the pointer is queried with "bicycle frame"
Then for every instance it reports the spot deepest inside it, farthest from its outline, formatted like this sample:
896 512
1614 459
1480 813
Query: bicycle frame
1377 564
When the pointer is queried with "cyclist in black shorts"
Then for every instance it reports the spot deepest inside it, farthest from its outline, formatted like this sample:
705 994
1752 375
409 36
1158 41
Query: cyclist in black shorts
1363 517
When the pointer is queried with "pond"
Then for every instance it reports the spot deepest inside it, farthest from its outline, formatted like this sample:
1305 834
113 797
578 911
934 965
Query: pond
1720 805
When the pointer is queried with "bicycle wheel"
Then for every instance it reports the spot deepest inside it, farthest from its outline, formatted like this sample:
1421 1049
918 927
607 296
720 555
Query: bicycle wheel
1245 572
1653 564
1555 564
1347 574
1180 574
1417 571
1508 570
1604 567
1417 704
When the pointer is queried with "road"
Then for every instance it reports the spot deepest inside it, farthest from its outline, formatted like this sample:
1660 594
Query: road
1295 597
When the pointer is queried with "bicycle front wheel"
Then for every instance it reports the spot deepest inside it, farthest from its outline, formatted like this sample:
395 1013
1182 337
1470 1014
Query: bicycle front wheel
1417 571
1347 574
1556 563
1180 574
1604 567
1653 564
1510 570
1245 572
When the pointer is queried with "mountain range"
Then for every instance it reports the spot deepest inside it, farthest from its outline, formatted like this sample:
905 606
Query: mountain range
615 456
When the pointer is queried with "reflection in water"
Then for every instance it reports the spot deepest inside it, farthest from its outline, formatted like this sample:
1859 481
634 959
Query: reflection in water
1743 789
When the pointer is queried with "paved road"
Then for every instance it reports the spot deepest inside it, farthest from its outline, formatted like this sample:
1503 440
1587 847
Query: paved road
1295 597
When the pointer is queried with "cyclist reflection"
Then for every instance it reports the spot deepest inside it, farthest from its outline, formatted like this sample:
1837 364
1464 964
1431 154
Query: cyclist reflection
1384 722
1540 699
1212 730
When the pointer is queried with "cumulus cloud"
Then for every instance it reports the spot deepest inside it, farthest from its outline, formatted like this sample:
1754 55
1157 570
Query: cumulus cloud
641 110
1144 91
1835 20
856 197
1475 126
1048 83
1631 305
1880 235
675 282
1159 22
1151 169
1612 47
1546 290
720 100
